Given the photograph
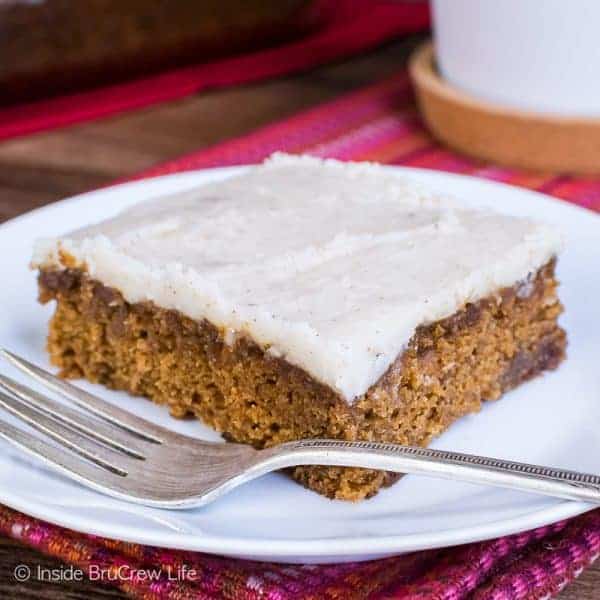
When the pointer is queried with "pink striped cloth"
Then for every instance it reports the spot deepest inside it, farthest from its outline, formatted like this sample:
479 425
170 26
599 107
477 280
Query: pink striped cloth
379 123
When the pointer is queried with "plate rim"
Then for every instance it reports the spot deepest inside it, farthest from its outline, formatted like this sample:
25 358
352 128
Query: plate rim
355 547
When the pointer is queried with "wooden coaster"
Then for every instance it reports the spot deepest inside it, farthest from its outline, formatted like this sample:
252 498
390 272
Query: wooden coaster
498 134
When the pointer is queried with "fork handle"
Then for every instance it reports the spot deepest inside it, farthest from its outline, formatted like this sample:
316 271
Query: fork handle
441 463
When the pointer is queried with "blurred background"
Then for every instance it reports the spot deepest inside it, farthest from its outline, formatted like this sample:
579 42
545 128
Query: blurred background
54 46
97 90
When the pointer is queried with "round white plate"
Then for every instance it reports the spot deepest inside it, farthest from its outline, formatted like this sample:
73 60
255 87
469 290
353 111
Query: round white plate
552 420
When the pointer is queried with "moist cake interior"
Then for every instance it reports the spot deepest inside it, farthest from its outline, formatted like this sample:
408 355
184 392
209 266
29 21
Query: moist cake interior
447 370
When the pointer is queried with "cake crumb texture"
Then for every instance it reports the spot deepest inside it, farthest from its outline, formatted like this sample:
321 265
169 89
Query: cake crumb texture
447 370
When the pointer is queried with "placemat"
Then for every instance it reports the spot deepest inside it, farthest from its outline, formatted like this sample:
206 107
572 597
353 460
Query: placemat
377 123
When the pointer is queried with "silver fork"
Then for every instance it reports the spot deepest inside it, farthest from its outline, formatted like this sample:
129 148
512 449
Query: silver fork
125 456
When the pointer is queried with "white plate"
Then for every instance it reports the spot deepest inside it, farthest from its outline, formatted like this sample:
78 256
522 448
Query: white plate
552 420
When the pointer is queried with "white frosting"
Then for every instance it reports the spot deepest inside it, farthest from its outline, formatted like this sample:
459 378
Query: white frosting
329 265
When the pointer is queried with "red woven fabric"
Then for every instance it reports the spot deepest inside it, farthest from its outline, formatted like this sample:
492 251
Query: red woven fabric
356 25
529 566
378 123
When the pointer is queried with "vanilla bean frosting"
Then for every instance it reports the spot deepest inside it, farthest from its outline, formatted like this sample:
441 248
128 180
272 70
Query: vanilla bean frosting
329 265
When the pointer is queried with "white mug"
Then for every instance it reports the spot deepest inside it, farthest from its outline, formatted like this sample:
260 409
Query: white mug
534 55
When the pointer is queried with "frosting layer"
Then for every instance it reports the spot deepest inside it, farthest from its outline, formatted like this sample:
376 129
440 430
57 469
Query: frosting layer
330 265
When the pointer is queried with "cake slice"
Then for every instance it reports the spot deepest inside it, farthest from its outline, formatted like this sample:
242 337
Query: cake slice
307 298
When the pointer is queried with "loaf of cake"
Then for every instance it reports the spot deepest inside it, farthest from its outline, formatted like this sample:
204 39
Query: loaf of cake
56 46
307 298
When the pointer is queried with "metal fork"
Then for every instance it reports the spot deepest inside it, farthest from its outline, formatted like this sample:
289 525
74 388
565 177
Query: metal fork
125 456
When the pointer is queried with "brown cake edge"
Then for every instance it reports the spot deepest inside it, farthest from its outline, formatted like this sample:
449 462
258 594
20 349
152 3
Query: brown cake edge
448 369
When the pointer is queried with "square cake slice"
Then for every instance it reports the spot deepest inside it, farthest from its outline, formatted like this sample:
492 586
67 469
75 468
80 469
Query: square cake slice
307 298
